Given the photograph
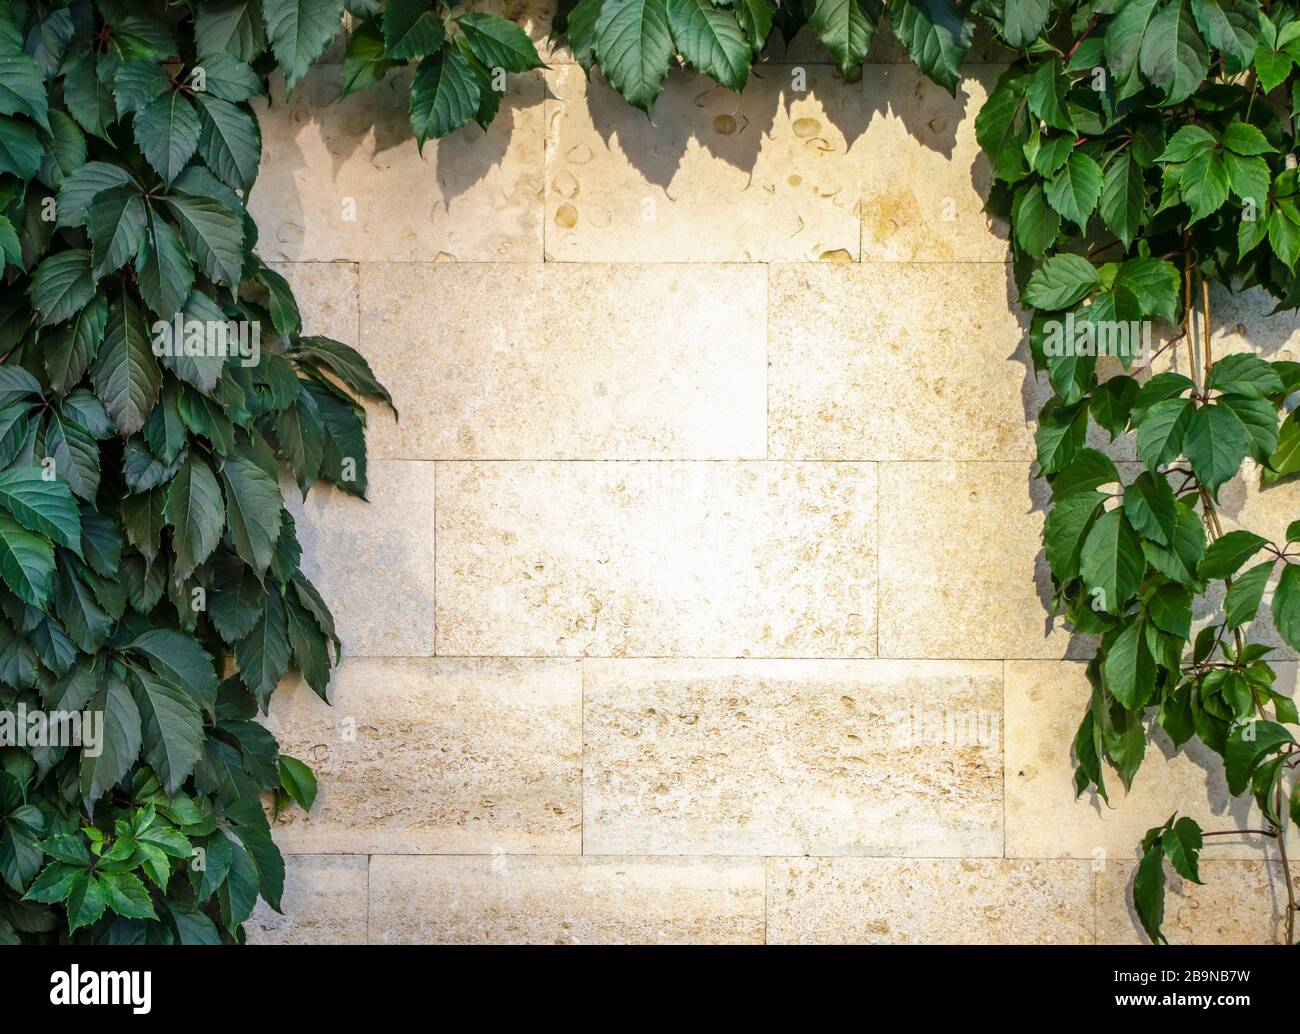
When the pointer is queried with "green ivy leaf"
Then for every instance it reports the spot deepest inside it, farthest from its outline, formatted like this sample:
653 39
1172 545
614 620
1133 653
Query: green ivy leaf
252 508
167 132
299 32
171 728
711 40
935 34
263 655
195 511
1173 55
1241 603
1123 198
230 141
26 561
412 28
499 43
366 61
1286 606
213 235
121 742
126 374
444 95
41 506
1150 508
1249 743
116 221
841 25
1060 282
1215 445
634 46
1111 561
1229 27
1226 554
297 780
62 285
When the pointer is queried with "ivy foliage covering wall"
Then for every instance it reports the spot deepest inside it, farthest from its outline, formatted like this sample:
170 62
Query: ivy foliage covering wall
145 550
1142 151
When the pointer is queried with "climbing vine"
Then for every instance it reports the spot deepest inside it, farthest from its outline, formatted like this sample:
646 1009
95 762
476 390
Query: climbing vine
155 381
1143 153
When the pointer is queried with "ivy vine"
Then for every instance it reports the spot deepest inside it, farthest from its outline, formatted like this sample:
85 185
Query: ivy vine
155 381
1143 151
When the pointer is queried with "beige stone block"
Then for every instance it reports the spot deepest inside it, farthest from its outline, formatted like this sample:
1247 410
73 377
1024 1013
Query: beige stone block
962 572
929 901
325 902
568 361
1239 902
446 755
555 900
897 362
792 757
762 177
343 179
1045 700
925 179
328 297
656 559
373 561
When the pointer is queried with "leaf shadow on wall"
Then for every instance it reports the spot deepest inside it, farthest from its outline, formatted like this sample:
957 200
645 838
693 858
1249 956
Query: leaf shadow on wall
809 104
320 152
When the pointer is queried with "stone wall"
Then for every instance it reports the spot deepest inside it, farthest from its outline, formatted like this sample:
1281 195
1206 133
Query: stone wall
699 596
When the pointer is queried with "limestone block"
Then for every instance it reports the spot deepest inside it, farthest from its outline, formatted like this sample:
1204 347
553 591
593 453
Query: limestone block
437 755
762 177
925 179
873 362
327 297
557 900
792 757
656 559
962 573
344 179
568 361
325 902
1239 902
1045 701
929 901
373 561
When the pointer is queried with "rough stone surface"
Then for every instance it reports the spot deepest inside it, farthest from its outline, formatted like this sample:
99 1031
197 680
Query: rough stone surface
656 559
1045 701
327 297
343 179
928 901
569 361
325 902
962 573
792 757
715 467
549 900
1240 902
926 203
373 561
760 178
855 374
437 755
